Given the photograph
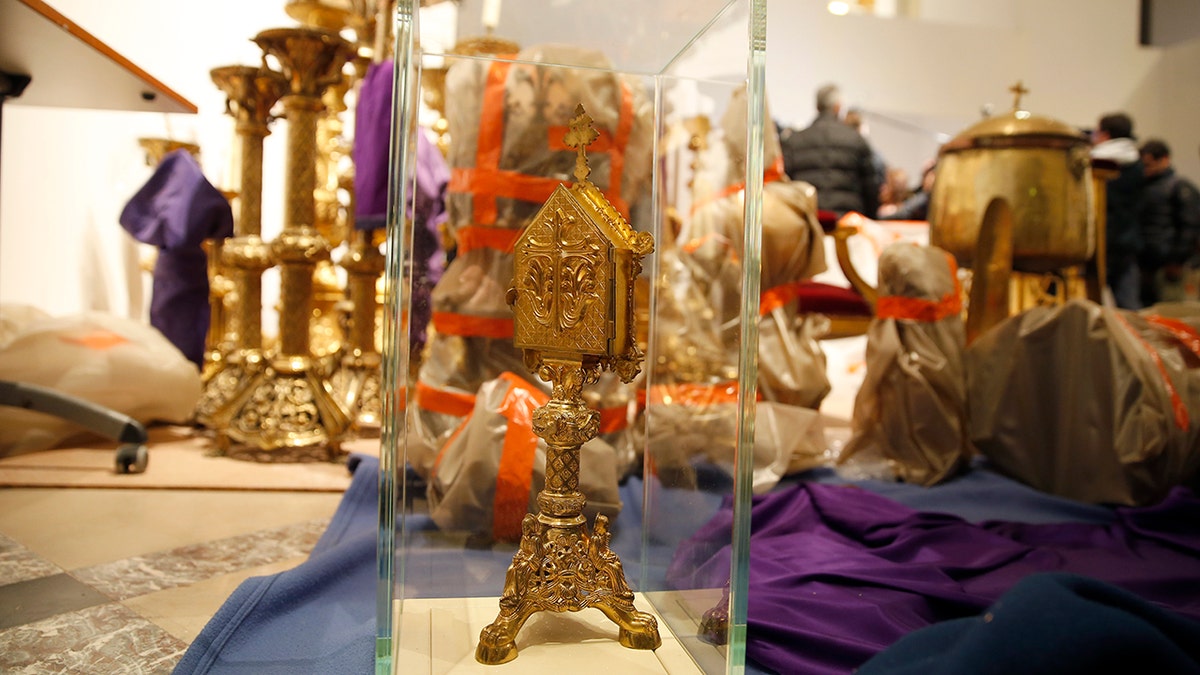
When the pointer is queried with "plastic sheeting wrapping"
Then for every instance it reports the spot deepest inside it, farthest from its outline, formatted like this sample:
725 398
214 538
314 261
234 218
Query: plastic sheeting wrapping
1092 403
693 416
910 415
119 363
487 476
508 120
791 365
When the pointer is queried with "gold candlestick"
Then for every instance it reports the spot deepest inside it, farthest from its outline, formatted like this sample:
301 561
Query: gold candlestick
357 382
292 407
222 294
332 216
332 220
572 297
250 93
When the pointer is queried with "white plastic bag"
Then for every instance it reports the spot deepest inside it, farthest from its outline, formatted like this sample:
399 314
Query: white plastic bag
115 362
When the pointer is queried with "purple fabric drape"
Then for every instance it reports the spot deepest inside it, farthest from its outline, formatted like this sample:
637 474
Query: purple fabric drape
176 210
426 203
838 573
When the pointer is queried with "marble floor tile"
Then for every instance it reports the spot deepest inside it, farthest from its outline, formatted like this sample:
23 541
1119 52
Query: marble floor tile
109 638
18 563
186 610
185 565
37 599
123 580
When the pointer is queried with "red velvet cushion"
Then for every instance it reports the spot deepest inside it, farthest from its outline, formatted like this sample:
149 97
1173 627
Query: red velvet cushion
815 296
828 220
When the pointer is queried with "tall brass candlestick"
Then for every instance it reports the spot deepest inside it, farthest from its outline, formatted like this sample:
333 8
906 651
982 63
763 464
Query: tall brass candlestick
357 381
250 93
222 293
572 297
292 407
332 219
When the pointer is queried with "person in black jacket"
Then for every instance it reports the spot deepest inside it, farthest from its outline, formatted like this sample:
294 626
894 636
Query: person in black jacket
833 158
1169 221
1112 141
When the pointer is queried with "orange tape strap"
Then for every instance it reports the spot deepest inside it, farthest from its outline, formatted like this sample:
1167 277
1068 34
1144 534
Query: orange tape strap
514 478
693 245
464 325
770 174
613 419
778 296
458 404
1186 335
694 394
491 136
97 340
919 309
1177 406
501 239
486 181
444 401
615 149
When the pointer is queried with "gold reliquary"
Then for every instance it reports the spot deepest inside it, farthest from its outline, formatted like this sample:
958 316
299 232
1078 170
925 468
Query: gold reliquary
574 272
572 297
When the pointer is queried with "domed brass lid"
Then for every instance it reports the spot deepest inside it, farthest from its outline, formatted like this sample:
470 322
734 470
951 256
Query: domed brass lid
1018 128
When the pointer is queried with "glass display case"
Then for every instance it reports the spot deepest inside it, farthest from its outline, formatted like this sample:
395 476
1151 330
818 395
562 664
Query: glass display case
500 89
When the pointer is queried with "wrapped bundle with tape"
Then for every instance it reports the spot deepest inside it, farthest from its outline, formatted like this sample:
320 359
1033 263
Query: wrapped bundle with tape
699 313
487 477
1088 402
508 119
791 364
910 414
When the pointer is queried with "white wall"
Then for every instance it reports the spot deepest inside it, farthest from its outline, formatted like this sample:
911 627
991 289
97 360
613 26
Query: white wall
65 171
1079 58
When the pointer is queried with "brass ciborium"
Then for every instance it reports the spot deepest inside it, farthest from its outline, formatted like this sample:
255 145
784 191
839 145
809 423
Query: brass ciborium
574 269
1013 194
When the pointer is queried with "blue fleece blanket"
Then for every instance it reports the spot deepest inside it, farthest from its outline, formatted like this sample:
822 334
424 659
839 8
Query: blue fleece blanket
320 616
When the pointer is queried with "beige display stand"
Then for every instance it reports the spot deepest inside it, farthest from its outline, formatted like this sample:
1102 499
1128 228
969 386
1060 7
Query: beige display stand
439 637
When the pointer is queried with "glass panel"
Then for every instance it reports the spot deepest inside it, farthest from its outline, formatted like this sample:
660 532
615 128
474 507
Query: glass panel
638 37
461 463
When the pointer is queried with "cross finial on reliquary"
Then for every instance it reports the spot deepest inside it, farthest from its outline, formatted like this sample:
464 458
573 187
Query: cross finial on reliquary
581 134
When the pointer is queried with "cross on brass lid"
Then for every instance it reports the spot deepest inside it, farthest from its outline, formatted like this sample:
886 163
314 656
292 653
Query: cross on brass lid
1018 91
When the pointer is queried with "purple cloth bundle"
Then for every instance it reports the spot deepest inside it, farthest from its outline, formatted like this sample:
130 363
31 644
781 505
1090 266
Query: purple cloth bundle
838 573
176 210
426 203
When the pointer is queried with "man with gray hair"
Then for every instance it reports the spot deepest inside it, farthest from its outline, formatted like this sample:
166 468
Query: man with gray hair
833 158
